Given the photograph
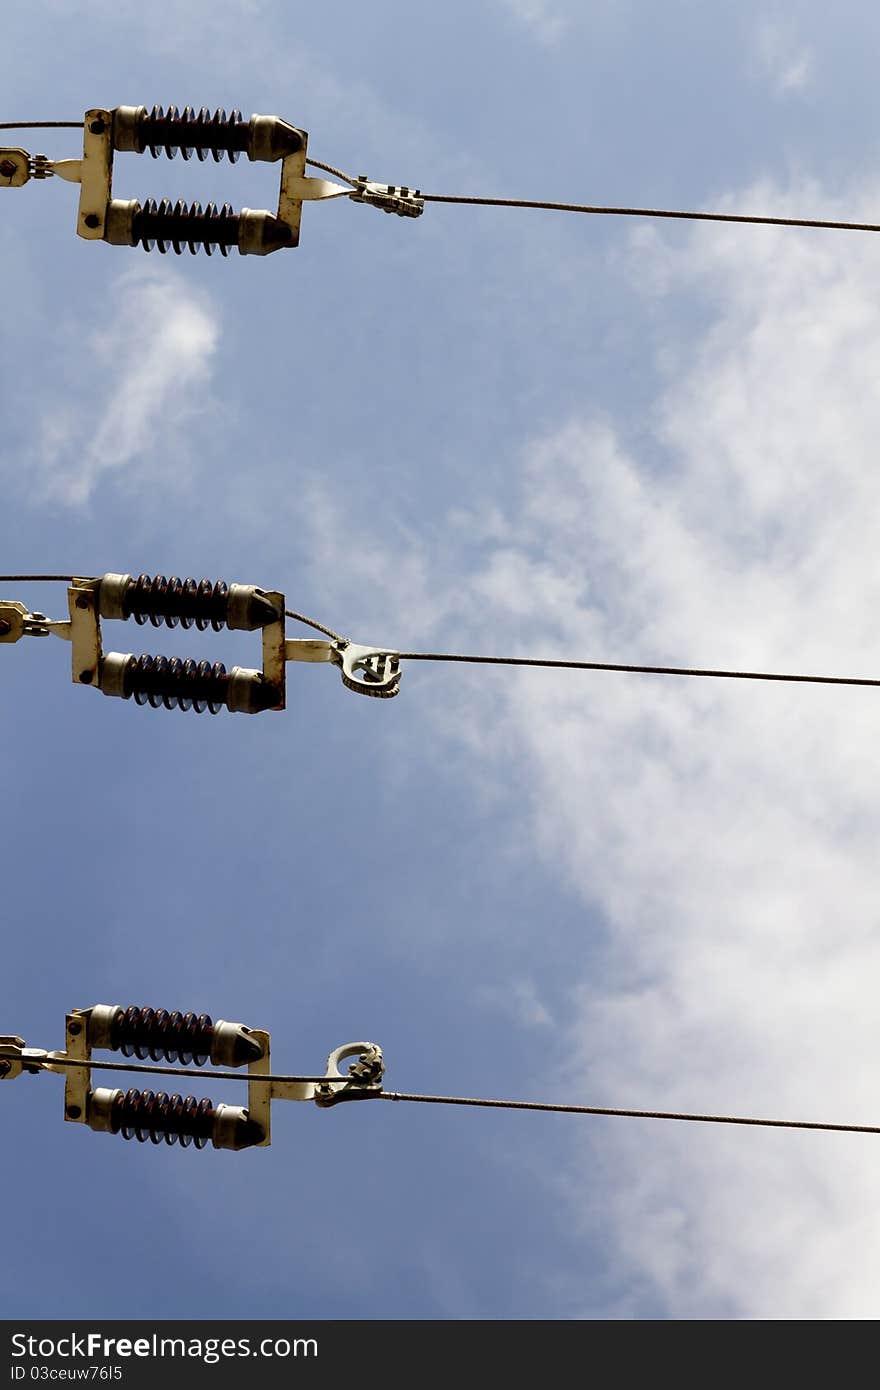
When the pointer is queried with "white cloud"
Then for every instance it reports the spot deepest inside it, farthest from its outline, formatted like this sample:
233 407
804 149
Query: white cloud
724 832
519 1000
781 57
136 382
540 16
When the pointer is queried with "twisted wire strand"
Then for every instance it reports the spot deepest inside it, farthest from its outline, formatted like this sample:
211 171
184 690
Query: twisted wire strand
329 169
310 622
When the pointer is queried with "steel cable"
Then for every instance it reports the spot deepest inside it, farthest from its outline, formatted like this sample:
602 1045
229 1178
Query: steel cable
549 1107
643 670
654 212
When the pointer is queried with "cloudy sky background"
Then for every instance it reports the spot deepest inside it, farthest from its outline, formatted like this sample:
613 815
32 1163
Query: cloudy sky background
483 431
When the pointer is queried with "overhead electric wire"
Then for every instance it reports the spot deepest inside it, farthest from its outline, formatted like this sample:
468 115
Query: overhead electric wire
41 125
205 1073
604 211
551 663
641 670
654 212
632 1114
549 1107
544 205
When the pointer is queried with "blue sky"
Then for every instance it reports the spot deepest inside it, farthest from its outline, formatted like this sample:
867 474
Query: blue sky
487 431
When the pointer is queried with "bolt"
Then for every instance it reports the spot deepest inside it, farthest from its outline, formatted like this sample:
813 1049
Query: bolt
8 167
82 601
5 1068
4 627
85 677
92 219
97 127
73 1112
74 1029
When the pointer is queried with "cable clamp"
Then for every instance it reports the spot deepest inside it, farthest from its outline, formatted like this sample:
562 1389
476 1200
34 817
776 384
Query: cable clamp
406 202
371 671
362 1080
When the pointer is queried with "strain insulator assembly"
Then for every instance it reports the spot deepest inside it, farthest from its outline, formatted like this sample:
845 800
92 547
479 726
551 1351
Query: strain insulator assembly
157 222
187 683
165 682
187 1039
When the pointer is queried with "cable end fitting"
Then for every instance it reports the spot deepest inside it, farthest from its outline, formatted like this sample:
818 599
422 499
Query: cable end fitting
406 202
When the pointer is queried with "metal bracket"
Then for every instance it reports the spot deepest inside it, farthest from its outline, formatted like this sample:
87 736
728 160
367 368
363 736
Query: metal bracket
404 201
96 174
371 671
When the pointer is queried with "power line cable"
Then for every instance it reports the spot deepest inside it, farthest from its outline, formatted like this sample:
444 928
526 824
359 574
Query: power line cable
547 206
545 662
602 211
41 125
641 670
653 212
205 1074
633 1114
548 1107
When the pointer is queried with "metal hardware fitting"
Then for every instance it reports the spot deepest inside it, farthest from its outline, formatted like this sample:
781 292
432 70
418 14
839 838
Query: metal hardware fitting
143 1115
371 671
159 681
404 201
